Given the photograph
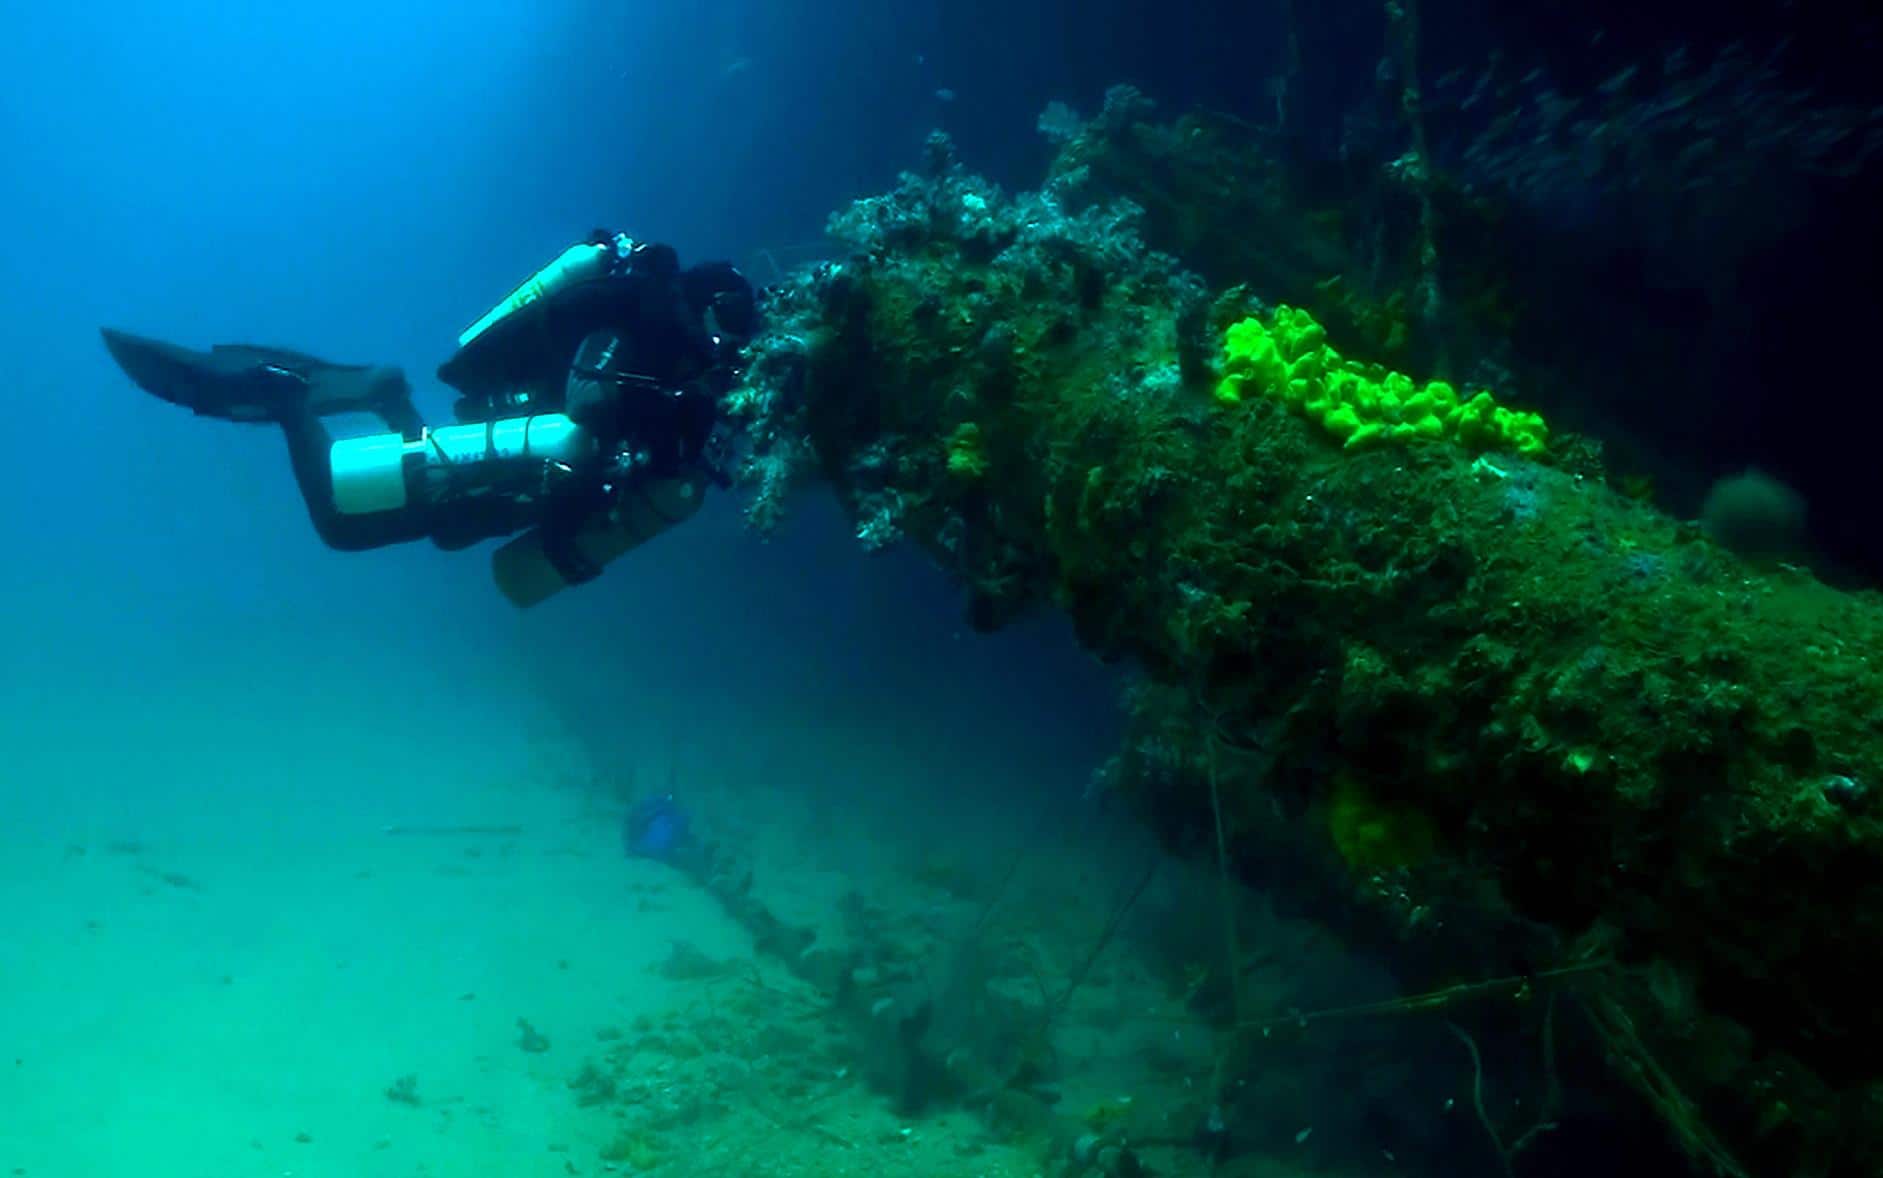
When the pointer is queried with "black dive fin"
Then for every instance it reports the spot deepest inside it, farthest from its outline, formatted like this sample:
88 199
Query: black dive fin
241 382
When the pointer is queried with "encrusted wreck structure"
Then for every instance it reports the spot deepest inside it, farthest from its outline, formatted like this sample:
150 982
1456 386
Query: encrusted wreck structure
1448 686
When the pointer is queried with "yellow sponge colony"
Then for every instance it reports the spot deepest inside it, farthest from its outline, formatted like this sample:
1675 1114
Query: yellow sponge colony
1362 404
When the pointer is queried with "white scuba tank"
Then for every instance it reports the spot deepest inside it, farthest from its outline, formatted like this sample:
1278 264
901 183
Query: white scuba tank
383 472
583 262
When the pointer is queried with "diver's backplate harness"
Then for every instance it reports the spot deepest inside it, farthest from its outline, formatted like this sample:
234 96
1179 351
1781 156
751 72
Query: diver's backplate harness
624 460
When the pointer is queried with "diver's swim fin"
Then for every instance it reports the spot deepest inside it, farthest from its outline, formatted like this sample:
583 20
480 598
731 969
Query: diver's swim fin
240 382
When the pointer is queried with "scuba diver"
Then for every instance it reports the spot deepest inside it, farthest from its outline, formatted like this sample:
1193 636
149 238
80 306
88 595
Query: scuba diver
588 413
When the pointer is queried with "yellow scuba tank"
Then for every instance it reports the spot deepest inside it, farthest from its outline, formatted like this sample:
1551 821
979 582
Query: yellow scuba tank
525 573
583 262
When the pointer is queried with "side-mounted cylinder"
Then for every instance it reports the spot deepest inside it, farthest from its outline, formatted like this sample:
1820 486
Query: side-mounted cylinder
530 568
385 472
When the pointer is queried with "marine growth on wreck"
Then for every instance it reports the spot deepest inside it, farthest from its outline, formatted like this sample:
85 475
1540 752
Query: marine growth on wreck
1589 781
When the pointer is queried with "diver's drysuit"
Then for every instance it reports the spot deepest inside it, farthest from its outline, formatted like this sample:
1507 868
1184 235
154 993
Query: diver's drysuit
587 412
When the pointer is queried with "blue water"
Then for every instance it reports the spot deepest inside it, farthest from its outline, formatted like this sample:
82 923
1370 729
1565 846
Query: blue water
361 182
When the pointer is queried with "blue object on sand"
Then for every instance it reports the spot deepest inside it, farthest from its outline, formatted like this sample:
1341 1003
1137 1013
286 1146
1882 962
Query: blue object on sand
654 828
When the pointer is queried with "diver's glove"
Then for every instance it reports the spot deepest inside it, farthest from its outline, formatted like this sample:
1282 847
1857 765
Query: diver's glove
239 382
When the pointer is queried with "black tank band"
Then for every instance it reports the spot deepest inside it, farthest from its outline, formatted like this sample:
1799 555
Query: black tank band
560 550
